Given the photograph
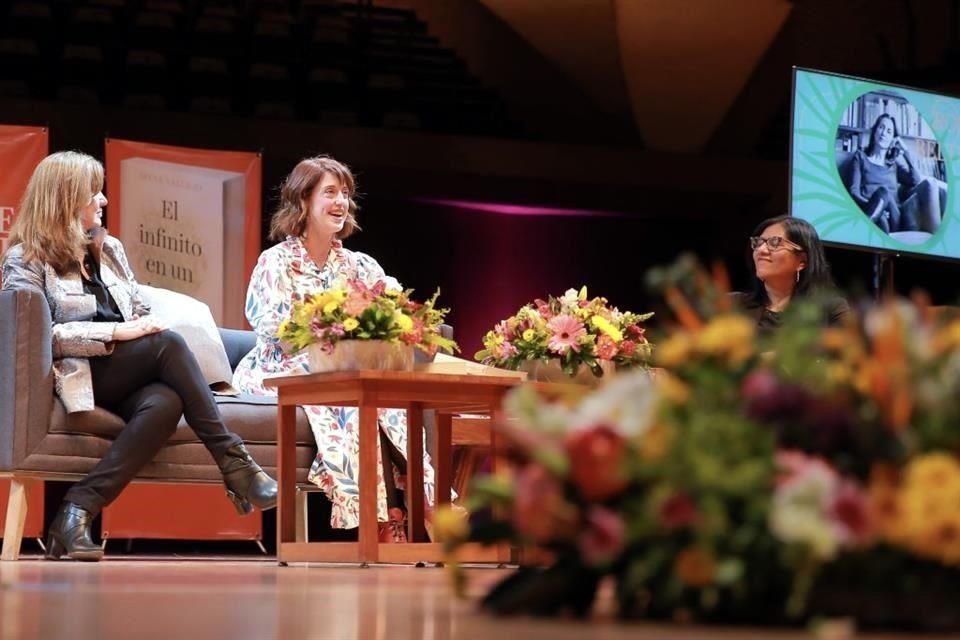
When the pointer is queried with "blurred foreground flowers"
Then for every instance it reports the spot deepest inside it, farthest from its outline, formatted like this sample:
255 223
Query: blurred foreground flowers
747 479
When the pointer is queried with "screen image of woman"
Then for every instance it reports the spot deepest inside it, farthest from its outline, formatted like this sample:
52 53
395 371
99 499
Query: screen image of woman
891 174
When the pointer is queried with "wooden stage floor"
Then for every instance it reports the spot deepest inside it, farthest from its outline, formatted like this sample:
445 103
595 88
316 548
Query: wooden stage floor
239 599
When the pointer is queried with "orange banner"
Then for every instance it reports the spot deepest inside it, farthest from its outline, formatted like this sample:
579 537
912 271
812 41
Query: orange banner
188 218
21 149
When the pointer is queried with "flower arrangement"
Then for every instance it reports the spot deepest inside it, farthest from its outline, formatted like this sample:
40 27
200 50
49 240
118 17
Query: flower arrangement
351 310
752 480
573 330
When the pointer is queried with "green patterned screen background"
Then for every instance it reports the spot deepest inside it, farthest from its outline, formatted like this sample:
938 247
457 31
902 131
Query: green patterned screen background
832 118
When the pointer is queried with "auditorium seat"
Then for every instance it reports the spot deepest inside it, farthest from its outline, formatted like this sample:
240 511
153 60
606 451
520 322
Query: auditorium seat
147 78
21 67
346 62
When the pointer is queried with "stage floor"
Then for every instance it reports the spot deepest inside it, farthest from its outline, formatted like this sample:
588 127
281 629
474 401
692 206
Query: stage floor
239 599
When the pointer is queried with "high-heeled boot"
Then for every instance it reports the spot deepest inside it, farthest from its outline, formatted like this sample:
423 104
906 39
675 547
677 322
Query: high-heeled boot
69 535
248 486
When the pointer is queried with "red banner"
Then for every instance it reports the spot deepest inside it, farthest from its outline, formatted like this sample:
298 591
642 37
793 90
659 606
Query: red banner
188 218
21 149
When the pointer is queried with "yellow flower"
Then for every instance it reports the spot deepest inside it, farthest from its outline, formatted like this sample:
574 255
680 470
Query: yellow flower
834 339
403 321
607 327
350 324
672 388
284 327
923 515
331 306
529 335
933 472
839 373
304 313
655 442
450 525
675 351
730 337
947 338
492 340
322 298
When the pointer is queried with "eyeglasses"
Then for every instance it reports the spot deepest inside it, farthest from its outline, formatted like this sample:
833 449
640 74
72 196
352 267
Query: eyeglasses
774 243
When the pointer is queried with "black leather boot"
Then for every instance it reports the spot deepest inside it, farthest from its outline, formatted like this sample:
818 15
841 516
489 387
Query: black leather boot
69 535
248 486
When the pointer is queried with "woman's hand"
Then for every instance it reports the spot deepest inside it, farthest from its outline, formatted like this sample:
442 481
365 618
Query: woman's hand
903 159
137 328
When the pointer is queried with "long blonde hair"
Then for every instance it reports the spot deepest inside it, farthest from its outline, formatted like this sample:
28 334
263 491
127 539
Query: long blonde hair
290 218
49 224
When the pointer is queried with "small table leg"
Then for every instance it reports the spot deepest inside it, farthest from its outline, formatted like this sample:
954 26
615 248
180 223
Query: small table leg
444 455
414 488
367 479
286 477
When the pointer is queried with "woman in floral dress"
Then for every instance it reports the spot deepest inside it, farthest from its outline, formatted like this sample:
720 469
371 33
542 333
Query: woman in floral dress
316 212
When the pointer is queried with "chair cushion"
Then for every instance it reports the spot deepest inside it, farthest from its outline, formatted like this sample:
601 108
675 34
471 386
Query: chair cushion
76 455
253 418
911 237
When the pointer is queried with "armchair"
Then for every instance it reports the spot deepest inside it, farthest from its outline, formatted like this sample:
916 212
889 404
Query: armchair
40 441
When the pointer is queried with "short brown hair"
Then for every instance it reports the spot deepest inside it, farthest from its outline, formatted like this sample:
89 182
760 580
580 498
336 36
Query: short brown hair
290 218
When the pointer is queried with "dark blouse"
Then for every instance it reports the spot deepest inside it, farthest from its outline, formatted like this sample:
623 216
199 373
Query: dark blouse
835 309
107 309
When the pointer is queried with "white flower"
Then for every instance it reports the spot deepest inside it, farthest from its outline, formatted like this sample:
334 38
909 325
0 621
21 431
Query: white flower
527 408
570 300
625 403
880 318
795 523
799 510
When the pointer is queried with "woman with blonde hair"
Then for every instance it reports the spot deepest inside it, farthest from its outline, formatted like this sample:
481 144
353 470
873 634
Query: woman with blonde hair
108 351
316 213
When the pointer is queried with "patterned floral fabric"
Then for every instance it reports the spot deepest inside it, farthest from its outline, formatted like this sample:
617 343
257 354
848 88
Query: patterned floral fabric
286 272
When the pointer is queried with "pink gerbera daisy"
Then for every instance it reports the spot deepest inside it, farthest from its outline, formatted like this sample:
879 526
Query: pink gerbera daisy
566 330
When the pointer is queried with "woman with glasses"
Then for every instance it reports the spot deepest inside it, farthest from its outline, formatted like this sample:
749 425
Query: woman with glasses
788 263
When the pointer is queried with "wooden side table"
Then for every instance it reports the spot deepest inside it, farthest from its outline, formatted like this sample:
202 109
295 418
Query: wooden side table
368 391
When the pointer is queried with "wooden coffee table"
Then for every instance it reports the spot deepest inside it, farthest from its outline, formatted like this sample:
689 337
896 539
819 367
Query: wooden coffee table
368 391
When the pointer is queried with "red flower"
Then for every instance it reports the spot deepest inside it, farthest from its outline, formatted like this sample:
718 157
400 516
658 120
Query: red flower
677 511
628 347
759 385
543 308
415 335
606 348
597 462
540 511
604 537
635 332
850 514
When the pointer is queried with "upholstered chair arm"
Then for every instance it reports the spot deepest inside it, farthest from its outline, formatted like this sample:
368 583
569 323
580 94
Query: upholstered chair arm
26 374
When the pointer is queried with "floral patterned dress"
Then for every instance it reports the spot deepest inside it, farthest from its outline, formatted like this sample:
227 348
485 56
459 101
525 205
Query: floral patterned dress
286 272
